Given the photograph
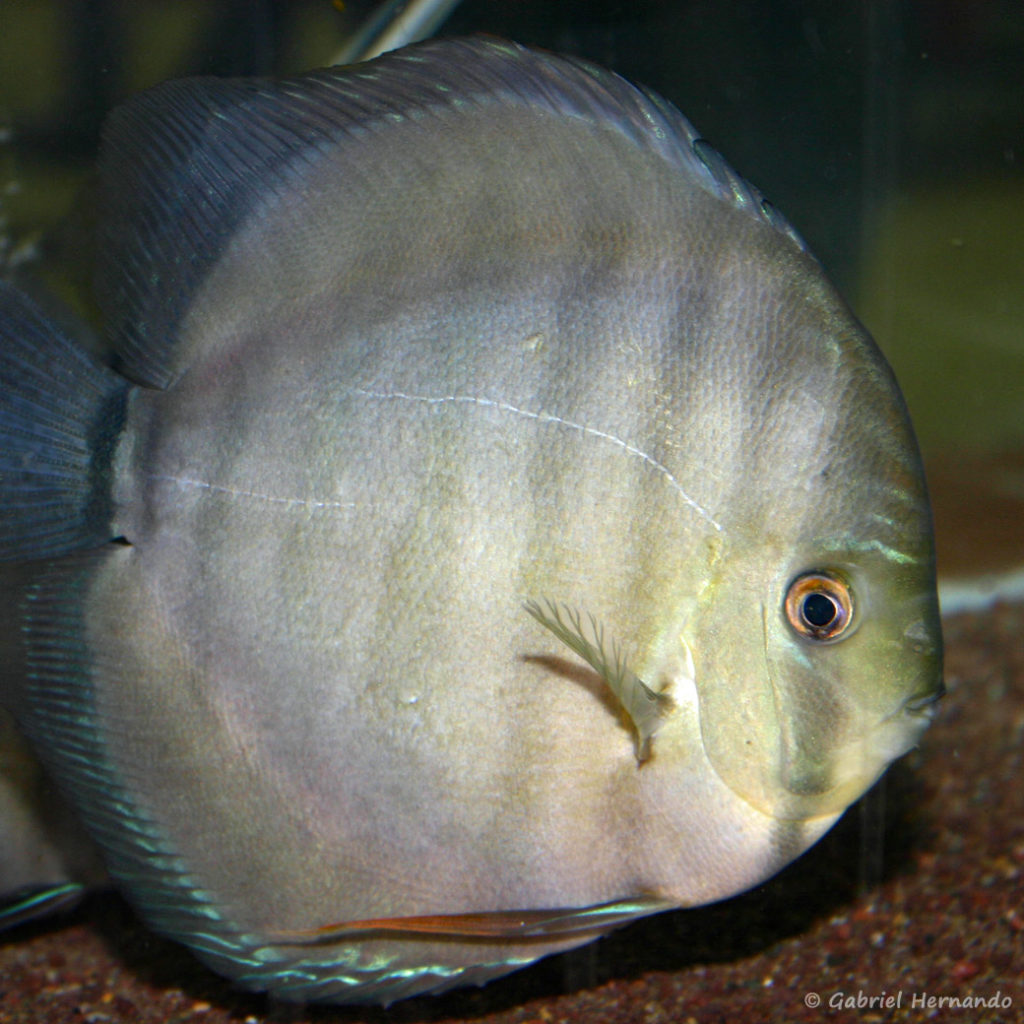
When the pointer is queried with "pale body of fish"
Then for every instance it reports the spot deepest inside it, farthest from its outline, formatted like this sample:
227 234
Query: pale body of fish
413 344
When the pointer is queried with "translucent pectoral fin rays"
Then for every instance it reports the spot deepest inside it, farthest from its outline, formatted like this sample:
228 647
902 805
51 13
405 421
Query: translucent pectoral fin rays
644 707
506 925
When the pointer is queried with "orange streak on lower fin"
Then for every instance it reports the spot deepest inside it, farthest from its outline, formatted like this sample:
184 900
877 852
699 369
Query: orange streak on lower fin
499 924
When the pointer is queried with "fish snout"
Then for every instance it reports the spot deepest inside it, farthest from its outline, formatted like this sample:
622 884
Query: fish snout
925 705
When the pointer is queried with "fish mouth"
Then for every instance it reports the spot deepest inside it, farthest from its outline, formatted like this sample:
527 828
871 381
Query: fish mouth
924 706
800 786
849 774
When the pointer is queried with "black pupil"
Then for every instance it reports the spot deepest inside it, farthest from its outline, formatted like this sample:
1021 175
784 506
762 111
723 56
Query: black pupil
819 610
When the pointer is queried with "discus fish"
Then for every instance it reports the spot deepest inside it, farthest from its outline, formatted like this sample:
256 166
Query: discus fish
491 526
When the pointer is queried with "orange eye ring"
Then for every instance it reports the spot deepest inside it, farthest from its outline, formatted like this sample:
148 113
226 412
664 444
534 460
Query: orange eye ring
819 606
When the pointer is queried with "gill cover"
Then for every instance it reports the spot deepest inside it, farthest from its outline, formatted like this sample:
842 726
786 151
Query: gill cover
805 727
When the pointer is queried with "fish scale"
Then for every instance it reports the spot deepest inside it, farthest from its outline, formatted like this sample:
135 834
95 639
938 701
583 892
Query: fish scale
492 529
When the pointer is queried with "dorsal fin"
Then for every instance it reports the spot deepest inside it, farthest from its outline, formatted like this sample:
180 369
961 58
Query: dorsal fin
184 163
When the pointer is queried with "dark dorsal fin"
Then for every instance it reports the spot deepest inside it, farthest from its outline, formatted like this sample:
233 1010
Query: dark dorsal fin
184 163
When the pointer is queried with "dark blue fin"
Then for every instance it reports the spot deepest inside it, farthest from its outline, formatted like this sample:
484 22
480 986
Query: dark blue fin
60 417
32 904
184 164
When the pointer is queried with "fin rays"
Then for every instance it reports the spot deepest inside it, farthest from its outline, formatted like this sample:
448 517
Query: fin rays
644 707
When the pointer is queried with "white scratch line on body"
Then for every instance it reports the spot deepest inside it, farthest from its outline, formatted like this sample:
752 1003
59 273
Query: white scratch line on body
185 481
544 417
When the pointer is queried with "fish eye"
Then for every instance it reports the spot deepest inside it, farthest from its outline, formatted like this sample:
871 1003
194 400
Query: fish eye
819 606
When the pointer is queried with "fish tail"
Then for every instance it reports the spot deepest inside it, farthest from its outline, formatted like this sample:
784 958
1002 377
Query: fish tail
61 414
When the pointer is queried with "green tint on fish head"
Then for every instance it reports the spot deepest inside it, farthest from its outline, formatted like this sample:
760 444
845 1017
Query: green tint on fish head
817 643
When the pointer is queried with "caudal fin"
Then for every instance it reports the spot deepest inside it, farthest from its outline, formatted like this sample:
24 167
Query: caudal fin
60 416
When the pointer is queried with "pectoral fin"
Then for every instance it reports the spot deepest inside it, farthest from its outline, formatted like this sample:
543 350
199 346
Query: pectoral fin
644 707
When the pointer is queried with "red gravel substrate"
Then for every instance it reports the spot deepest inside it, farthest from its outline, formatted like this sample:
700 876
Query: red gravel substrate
937 915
